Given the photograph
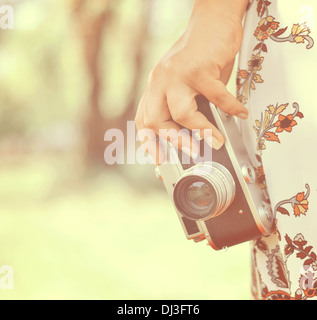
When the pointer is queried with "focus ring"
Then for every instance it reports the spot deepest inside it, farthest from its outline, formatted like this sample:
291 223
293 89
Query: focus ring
220 182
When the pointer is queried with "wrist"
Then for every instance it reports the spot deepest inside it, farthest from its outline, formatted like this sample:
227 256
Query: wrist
217 21
233 9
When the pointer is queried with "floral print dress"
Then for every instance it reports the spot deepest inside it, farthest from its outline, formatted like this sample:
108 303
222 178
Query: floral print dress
276 82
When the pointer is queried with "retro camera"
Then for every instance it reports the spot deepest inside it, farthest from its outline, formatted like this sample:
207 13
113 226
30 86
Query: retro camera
219 199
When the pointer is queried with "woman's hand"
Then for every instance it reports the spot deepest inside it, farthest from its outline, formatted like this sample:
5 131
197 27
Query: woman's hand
200 62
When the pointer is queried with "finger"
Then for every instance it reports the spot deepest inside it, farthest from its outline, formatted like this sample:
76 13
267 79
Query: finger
226 72
179 137
201 126
158 118
147 137
151 145
184 111
216 92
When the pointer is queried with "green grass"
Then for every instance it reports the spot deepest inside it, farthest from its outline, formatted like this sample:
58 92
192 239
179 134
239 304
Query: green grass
98 238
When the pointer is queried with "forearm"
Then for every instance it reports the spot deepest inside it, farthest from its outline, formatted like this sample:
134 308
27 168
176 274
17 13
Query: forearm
220 23
234 9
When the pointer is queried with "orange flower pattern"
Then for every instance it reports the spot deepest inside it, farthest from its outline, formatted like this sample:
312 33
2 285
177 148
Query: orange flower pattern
285 123
267 123
267 28
299 204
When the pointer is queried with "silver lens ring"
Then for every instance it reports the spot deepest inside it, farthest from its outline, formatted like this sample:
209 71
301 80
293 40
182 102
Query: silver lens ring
227 186
221 187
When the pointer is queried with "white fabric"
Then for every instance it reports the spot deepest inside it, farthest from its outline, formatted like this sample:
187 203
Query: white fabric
277 82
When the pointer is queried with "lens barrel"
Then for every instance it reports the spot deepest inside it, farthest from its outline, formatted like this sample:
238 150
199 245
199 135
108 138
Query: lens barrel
204 191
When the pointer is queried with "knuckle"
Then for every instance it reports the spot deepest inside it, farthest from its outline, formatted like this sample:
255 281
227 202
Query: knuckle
149 123
154 73
138 119
138 122
174 66
182 114
170 65
179 116
219 98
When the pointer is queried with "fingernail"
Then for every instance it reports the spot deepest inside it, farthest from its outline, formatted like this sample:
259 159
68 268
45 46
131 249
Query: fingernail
190 152
243 116
214 142
197 136
149 157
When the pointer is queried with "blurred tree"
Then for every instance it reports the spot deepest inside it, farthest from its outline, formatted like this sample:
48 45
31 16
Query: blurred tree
91 24
94 18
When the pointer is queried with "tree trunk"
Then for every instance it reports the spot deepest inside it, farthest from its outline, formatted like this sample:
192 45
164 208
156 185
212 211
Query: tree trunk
92 32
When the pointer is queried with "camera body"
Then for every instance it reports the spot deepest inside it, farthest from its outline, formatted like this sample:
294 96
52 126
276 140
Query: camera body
217 200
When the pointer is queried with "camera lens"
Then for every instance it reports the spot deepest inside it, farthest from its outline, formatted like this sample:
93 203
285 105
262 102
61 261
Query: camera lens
204 191
199 195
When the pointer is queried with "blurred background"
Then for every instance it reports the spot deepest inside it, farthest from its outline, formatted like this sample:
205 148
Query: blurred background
73 227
